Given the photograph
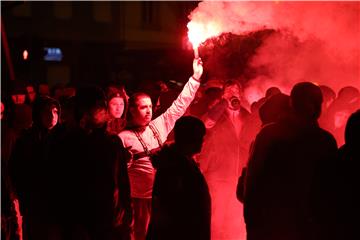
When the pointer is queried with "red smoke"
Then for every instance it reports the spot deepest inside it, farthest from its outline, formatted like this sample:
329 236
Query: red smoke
315 41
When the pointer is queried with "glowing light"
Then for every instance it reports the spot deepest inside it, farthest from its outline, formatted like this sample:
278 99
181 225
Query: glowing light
199 32
25 54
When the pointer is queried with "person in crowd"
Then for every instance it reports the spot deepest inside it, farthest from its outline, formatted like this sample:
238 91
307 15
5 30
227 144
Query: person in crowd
30 93
222 159
57 91
271 91
9 221
348 101
329 96
274 109
349 194
93 200
117 107
181 205
30 170
211 95
19 117
18 92
291 174
69 90
44 89
143 135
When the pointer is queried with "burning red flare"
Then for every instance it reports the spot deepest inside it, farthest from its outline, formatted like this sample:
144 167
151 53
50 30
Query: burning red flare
199 32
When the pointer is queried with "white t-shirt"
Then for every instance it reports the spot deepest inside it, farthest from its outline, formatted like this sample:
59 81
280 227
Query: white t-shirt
141 172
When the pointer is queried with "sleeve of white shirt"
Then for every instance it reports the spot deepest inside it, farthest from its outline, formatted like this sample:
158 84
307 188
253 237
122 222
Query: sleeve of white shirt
166 121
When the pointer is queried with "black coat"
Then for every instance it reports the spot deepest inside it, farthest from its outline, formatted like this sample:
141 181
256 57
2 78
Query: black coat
290 176
181 205
91 169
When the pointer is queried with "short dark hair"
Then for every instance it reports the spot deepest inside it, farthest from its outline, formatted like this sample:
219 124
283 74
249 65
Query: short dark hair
87 98
306 99
187 127
135 97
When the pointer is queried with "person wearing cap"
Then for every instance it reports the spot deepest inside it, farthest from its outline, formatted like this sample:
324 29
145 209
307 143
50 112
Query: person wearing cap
117 108
144 135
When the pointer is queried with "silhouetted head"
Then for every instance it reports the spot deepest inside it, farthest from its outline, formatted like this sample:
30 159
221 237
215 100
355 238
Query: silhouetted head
329 95
140 109
91 107
45 112
349 94
352 130
189 134
18 91
272 91
31 93
306 99
255 106
274 108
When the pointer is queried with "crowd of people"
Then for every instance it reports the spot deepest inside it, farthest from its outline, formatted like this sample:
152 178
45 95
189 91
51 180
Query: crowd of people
94 163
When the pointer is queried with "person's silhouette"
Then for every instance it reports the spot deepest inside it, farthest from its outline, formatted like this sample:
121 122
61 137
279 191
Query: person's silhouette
290 174
181 207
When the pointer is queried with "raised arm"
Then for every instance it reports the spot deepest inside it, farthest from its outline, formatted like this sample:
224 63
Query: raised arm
166 121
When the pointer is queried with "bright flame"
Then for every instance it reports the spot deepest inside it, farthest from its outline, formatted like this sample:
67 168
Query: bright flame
199 32
25 54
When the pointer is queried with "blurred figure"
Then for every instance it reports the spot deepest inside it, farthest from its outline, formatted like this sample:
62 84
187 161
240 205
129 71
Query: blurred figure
223 157
143 136
9 221
93 200
348 101
117 108
291 174
328 95
163 97
69 90
30 167
275 108
31 93
272 91
44 89
57 91
212 94
349 194
2 111
181 205
19 117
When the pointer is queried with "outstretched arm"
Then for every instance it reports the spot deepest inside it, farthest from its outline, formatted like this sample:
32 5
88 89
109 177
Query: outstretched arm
166 121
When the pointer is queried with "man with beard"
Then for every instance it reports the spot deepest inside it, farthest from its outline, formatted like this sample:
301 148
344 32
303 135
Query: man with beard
143 136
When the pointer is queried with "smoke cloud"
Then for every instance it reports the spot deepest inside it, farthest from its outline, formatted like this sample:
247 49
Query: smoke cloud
313 41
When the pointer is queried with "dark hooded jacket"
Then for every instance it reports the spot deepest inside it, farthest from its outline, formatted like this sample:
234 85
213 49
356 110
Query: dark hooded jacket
181 207
31 165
